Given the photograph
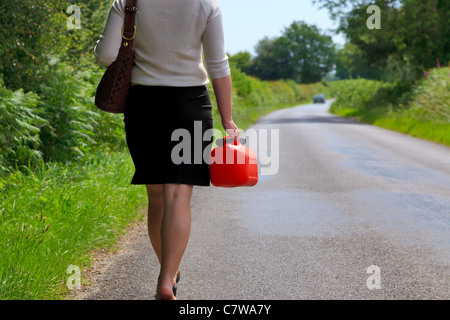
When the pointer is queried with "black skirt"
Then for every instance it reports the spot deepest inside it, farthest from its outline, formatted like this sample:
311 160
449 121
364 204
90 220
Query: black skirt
165 132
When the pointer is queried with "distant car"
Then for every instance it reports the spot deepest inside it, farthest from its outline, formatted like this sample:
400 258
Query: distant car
319 98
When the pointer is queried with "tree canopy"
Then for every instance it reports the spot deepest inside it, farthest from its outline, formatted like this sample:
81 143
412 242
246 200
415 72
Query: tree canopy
414 36
302 53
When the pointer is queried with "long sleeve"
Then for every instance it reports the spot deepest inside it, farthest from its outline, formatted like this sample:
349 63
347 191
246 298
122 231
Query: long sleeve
108 46
214 46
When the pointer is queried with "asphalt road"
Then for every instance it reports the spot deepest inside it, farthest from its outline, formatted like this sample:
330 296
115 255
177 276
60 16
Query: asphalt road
347 196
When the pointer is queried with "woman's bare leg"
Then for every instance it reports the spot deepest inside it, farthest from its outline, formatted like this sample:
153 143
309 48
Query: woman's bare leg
155 215
175 231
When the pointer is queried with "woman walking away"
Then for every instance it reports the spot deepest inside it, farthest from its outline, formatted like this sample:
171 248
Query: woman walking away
169 92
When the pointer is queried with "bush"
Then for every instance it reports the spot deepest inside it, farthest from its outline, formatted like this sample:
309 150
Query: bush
421 110
356 96
70 124
431 98
19 131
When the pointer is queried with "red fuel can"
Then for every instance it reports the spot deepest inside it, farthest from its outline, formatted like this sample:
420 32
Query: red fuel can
233 165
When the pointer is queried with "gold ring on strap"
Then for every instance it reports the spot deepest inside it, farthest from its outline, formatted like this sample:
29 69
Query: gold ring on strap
129 39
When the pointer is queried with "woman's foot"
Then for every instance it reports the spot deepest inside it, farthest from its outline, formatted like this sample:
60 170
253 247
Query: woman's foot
165 290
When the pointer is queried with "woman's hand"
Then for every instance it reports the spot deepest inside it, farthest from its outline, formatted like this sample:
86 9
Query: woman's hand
231 128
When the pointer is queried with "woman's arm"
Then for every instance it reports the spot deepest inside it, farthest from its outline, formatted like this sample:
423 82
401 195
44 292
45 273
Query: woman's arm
222 90
218 67
110 41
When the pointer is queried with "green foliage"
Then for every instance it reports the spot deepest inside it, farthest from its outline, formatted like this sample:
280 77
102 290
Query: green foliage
311 53
302 53
272 61
82 41
55 216
19 131
60 124
70 123
431 98
75 126
356 97
56 70
421 110
414 36
242 60
34 35
351 64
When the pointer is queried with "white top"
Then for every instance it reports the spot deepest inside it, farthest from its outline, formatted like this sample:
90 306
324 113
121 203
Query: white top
169 40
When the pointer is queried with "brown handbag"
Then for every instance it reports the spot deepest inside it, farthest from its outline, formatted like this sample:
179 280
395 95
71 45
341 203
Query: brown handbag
112 91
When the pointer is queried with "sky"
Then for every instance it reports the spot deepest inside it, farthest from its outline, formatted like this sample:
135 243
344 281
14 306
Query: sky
248 21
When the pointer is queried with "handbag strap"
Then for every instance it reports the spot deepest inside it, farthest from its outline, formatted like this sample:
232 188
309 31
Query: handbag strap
129 28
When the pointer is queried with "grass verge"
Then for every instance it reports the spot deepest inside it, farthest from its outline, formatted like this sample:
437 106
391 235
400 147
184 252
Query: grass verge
421 110
54 217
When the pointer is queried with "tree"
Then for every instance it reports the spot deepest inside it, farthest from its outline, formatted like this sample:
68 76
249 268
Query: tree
35 37
242 60
302 53
30 35
414 34
351 64
272 61
311 53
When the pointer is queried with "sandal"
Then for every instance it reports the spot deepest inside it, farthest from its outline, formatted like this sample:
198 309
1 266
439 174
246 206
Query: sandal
174 288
